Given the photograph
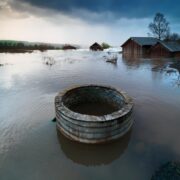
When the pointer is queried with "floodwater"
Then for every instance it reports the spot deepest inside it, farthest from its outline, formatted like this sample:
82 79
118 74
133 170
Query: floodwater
31 147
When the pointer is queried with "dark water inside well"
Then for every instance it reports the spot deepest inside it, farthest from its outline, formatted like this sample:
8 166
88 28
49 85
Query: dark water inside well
96 108
31 148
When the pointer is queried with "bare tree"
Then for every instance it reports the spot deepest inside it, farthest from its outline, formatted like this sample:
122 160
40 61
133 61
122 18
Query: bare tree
159 27
173 37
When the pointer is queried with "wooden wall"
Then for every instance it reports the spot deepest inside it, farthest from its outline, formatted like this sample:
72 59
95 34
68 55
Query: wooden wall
160 51
132 48
176 54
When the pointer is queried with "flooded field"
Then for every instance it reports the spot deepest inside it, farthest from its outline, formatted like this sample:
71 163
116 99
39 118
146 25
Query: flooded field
30 146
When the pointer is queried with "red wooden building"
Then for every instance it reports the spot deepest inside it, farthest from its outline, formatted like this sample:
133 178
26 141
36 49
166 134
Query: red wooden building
96 47
138 46
165 49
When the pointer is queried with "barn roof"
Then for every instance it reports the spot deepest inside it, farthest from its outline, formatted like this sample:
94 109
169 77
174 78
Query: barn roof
96 46
171 46
143 41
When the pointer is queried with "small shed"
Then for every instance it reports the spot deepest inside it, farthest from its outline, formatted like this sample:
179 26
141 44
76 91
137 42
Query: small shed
68 47
138 45
96 47
166 49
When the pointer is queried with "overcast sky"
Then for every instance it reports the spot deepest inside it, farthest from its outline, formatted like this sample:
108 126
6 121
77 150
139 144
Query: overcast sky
82 21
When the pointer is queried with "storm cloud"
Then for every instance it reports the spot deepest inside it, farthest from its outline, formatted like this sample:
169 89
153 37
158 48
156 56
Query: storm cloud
118 8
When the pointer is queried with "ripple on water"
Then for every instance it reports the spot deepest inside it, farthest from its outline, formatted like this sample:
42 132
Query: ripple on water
29 145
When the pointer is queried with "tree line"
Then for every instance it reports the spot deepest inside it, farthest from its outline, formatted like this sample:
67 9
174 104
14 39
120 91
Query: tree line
20 45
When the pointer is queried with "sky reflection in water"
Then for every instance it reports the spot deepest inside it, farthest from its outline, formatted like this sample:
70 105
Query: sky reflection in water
30 147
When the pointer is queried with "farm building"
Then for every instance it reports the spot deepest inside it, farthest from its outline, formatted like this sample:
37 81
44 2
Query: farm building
138 46
166 49
67 47
96 47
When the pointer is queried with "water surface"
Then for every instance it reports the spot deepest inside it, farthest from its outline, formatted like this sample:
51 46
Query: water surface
31 148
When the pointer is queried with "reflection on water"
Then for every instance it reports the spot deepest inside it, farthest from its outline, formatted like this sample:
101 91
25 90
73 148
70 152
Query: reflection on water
29 145
93 154
131 61
159 66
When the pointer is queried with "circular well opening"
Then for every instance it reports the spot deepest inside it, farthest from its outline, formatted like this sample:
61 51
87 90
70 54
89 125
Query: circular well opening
93 100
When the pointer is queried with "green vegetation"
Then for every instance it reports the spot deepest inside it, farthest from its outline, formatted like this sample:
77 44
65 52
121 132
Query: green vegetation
24 46
105 45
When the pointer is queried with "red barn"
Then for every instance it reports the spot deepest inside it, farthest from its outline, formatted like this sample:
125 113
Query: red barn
166 49
138 46
96 47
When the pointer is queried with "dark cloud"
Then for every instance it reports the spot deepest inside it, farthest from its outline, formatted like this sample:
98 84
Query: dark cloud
119 8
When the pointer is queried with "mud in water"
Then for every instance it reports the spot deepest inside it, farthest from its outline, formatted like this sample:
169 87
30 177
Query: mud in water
96 108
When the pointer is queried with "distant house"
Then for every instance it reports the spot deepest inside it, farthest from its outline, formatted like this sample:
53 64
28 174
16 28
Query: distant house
96 47
166 49
138 45
68 47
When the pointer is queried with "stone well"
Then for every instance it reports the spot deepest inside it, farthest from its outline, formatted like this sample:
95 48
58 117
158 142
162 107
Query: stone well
93 114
